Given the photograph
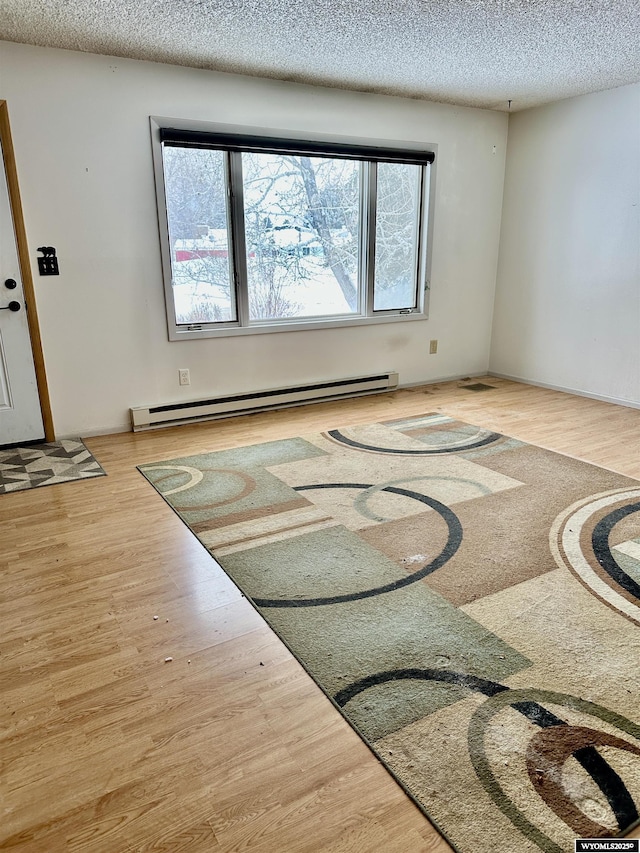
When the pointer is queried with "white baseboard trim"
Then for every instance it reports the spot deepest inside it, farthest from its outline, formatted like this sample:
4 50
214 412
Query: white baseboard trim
95 433
126 427
458 377
630 404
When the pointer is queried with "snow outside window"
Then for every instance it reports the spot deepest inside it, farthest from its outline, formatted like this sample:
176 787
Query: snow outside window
261 240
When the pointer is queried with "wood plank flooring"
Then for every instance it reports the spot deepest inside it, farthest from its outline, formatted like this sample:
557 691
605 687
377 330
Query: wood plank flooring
105 748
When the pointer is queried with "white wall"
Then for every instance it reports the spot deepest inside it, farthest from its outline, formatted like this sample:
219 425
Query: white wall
567 311
80 125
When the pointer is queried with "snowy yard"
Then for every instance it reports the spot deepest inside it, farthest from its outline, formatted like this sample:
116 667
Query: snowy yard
315 292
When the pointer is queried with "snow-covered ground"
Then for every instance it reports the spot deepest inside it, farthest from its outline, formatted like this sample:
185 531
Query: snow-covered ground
315 293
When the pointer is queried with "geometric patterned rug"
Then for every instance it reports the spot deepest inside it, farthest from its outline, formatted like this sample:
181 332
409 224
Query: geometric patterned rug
470 603
46 464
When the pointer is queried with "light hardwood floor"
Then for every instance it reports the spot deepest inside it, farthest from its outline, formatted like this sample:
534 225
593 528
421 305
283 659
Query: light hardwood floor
105 748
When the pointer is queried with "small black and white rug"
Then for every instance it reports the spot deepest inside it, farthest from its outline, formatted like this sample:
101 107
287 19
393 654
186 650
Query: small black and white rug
46 464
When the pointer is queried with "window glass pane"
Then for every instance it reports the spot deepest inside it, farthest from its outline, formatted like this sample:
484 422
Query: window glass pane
302 229
201 258
397 222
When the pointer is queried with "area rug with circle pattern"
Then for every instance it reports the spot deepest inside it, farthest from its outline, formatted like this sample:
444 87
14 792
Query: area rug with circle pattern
469 602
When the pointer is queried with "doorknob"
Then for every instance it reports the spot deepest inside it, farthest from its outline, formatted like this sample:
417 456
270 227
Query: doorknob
12 306
10 283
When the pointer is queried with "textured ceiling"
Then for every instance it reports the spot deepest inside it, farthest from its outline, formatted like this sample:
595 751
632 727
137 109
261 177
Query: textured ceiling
471 52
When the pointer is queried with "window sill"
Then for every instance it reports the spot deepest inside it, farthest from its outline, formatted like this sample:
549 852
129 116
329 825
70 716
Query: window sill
187 333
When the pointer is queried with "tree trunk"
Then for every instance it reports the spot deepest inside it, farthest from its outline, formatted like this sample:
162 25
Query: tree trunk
319 221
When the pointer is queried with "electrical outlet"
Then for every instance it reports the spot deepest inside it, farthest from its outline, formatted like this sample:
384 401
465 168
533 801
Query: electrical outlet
433 347
184 377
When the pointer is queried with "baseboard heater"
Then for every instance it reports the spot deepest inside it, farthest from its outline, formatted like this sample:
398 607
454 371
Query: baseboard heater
154 417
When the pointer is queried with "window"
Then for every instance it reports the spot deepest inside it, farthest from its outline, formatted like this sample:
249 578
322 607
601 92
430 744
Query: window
272 234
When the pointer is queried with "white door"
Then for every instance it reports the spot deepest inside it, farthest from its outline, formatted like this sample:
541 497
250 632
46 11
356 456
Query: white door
20 414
